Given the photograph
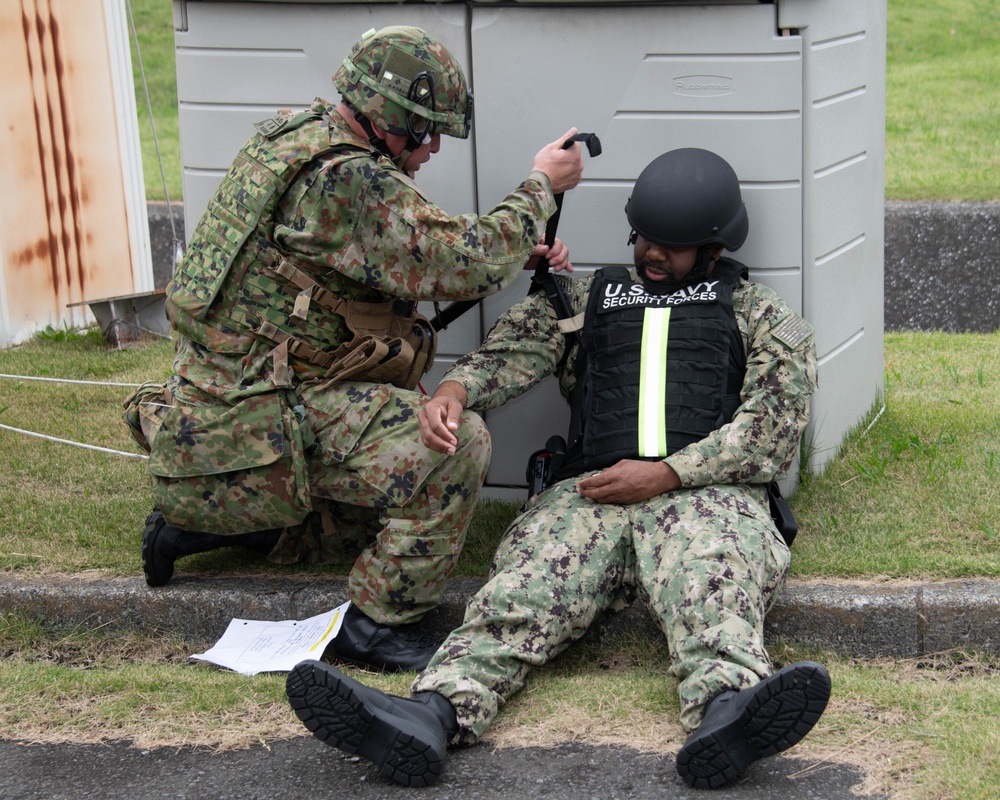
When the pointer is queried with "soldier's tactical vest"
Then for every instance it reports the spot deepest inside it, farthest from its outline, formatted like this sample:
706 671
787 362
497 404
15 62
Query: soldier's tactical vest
655 373
235 286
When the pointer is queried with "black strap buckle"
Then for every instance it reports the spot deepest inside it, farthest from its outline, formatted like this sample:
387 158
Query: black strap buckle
403 308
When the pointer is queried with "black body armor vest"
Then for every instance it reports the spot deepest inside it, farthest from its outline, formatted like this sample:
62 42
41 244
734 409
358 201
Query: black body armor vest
655 373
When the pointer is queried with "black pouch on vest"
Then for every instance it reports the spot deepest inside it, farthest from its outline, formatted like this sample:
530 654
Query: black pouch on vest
781 513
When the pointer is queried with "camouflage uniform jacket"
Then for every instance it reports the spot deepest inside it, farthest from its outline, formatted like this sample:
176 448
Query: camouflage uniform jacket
357 226
759 444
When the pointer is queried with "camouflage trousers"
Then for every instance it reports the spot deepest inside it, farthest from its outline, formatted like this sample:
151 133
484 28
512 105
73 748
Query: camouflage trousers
375 485
707 563
377 494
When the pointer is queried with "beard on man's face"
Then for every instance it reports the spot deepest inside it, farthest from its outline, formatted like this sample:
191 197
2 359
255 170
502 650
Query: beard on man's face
667 285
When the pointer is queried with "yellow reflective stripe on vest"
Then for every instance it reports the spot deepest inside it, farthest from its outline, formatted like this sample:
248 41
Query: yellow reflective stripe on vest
653 383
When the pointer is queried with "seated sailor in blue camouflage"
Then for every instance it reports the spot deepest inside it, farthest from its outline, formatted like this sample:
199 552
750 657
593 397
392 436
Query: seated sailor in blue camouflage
689 387
289 423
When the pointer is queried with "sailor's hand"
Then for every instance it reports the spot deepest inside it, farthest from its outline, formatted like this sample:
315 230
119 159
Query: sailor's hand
629 481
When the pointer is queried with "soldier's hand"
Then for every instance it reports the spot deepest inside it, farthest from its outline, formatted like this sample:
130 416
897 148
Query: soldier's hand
440 415
564 167
557 255
629 481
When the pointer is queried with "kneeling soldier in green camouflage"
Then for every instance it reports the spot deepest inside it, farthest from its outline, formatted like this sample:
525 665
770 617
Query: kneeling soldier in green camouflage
689 387
289 423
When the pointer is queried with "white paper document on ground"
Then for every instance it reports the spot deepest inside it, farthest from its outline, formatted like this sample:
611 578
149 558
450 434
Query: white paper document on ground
252 646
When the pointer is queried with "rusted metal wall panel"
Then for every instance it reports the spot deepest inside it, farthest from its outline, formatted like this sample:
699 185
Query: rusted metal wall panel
64 216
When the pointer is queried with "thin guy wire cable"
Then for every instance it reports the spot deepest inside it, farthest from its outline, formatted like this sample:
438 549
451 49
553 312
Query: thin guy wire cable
71 380
75 444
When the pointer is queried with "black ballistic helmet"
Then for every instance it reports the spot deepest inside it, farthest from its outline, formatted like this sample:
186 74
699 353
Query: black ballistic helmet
687 198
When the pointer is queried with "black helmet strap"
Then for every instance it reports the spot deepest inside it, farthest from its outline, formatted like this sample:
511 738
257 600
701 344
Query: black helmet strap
380 144
369 129
703 261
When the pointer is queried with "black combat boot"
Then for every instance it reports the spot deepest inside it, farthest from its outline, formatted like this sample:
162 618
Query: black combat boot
405 738
163 544
387 648
740 727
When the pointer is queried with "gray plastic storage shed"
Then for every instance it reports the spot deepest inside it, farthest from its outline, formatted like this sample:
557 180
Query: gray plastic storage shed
791 93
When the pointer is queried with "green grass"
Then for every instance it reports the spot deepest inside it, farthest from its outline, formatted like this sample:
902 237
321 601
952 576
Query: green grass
916 495
912 495
943 100
154 29
942 103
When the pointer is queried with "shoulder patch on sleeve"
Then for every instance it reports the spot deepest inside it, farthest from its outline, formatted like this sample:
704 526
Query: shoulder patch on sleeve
792 331
271 127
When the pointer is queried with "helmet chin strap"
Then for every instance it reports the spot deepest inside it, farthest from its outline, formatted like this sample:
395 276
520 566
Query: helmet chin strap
412 144
702 262
405 153
379 143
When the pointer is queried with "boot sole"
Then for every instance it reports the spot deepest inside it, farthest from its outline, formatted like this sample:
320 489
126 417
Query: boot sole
785 707
334 709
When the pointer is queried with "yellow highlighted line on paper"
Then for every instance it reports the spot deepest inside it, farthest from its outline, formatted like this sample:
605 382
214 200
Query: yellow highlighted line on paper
326 632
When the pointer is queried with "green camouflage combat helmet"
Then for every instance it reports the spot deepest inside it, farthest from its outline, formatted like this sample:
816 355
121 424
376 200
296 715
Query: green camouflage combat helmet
407 83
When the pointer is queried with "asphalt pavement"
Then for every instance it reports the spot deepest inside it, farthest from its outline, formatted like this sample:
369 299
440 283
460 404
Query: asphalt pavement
306 768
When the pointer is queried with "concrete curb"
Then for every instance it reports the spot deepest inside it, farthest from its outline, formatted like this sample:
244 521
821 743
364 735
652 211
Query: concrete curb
899 620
